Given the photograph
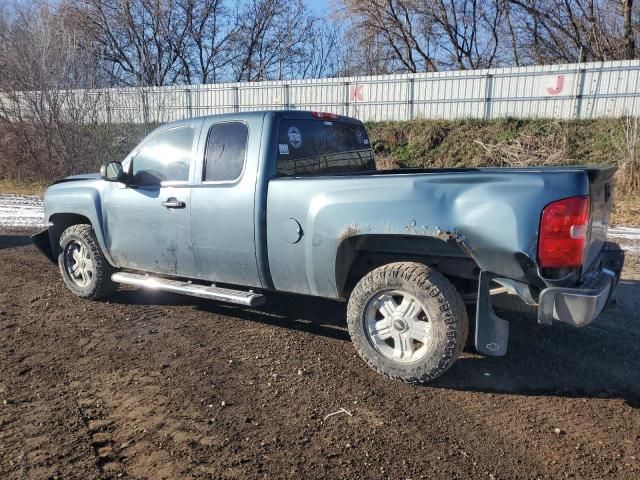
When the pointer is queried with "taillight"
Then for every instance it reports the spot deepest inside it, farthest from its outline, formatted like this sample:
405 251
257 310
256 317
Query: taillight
563 233
324 115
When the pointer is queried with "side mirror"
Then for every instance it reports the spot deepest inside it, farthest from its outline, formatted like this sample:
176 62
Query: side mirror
113 172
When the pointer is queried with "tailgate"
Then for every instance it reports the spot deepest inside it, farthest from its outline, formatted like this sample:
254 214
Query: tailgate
601 194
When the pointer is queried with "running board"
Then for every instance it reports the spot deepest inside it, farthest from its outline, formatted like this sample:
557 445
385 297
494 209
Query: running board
249 299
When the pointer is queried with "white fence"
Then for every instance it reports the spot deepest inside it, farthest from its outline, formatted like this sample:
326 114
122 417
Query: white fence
587 90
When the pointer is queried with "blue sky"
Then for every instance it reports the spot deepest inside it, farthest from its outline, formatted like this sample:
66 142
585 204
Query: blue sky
319 7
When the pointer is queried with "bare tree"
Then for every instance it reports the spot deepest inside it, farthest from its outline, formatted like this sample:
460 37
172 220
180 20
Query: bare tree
424 35
212 27
416 36
390 35
141 41
277 39
471 31
565 31
629 35
43 58
321 56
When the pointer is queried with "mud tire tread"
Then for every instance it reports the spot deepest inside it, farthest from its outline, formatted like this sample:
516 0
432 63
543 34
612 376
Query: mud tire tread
438 295
102 286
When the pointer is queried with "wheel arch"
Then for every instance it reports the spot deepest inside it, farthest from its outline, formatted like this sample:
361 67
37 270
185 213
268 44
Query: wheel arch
59 222
358 255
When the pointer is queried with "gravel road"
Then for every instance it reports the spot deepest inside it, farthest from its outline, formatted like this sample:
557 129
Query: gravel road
162 386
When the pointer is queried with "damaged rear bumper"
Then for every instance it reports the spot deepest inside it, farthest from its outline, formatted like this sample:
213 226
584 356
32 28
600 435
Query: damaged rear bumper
581 305
578 305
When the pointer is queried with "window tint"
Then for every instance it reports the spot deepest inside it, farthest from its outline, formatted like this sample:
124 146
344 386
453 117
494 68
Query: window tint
226 151
308 147
165 157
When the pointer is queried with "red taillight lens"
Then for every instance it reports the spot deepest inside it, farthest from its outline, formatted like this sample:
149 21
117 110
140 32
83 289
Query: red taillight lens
324 115
563 233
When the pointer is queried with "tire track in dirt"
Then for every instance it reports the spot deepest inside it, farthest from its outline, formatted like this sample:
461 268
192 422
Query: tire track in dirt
100 434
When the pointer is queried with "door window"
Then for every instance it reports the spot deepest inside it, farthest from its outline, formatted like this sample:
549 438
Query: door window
226 151
164 158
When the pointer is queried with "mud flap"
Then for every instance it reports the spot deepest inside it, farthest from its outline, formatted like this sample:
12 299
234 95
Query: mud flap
492 332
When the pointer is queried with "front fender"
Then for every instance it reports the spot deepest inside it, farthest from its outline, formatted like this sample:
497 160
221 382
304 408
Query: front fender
66 203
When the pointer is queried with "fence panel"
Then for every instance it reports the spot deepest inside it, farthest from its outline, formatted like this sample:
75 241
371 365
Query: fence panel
587 90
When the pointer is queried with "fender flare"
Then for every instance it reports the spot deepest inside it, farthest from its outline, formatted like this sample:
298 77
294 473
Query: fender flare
73 206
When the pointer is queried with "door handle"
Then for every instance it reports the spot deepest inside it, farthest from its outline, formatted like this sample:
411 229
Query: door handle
173 202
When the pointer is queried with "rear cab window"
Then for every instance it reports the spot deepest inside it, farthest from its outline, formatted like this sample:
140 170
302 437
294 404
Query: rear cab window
226 151
320 147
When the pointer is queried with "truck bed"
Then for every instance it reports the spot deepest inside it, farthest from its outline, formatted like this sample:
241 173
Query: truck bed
490 215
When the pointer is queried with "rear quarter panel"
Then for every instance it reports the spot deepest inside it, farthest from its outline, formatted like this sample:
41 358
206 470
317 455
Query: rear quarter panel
493 215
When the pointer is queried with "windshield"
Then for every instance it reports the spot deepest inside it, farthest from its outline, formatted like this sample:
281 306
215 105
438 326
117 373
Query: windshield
316 147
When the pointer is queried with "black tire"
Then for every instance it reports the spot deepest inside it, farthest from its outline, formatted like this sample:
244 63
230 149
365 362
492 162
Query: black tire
442 306
99 284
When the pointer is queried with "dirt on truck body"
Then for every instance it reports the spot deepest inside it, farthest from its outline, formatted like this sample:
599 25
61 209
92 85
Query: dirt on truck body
147 385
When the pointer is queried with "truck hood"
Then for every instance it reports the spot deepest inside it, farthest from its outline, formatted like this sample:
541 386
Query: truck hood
74 178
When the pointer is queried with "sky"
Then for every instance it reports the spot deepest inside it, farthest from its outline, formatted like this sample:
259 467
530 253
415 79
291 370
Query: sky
319 7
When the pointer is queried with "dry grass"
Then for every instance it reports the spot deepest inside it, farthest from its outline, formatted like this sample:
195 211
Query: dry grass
545 145
628 179
626 210
387 163
22 188
518 143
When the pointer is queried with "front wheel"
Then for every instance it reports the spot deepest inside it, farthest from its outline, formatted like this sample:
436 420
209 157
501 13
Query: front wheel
407 321
84 268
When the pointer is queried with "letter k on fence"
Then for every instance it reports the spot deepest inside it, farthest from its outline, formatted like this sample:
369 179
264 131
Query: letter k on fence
355 93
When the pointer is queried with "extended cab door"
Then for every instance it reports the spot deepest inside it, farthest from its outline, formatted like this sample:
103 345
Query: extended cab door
147 223
222 200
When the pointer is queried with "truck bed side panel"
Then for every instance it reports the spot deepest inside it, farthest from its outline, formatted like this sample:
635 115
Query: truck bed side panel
492 215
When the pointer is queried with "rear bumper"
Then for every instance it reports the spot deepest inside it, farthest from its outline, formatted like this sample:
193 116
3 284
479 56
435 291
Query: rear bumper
581 305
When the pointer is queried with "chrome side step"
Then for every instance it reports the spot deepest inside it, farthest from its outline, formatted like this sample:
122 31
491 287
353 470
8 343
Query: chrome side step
249 299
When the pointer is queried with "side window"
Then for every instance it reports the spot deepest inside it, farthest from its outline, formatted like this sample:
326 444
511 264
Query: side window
164 158
226 150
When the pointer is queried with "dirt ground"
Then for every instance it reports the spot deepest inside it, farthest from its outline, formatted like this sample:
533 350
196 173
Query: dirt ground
163 386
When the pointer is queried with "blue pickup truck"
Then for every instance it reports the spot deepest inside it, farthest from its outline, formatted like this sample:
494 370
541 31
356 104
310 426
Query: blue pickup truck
231 207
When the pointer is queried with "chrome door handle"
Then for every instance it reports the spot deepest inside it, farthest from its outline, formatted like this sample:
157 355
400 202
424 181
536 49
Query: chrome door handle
173 202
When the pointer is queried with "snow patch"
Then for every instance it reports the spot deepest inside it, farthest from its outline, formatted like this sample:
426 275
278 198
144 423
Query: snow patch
21 211
630 233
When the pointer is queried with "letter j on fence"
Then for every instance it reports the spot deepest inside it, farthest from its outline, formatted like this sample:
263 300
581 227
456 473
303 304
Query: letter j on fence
557 88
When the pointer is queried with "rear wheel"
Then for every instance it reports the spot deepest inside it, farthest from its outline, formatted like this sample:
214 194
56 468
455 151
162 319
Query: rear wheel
84 268
407 321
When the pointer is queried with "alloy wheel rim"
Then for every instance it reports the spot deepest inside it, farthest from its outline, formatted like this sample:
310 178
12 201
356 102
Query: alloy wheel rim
397 326
79 263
